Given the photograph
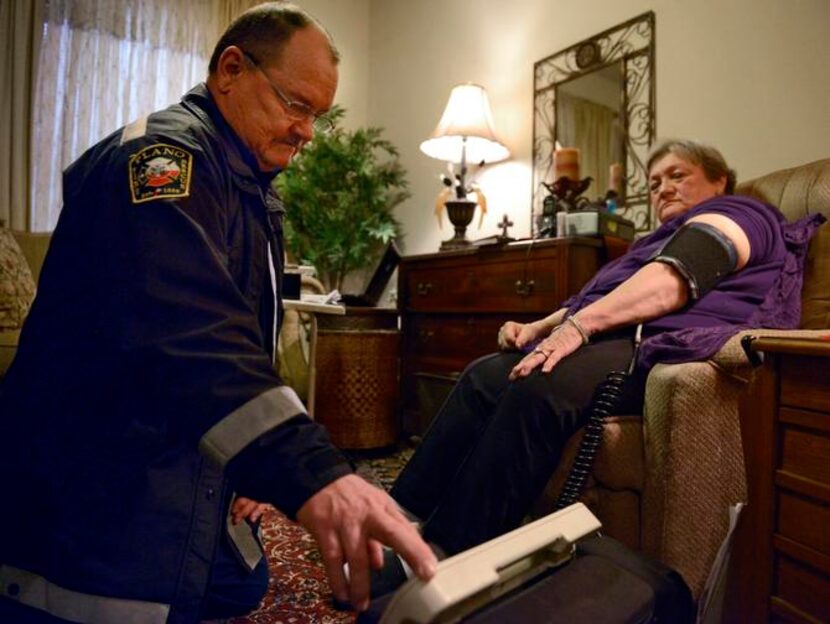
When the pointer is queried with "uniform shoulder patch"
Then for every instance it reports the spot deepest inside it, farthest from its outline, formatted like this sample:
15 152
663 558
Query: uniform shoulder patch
160 171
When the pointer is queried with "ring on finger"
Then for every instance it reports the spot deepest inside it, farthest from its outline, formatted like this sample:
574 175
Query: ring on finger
544 353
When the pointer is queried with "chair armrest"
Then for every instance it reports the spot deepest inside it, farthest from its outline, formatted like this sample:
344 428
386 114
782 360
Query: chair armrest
732 359
694 464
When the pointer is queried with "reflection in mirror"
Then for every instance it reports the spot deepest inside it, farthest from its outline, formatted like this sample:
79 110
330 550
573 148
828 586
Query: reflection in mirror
588 117
599 95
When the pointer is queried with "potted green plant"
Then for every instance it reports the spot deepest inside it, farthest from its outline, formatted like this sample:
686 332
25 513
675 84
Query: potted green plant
339 195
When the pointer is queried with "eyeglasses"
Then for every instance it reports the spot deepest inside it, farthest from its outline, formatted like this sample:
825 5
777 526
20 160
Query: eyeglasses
294 109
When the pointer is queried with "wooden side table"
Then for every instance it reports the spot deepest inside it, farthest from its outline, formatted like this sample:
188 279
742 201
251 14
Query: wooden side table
781 567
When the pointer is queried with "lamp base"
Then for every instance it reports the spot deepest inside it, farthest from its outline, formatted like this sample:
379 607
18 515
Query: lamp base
454 243
460 212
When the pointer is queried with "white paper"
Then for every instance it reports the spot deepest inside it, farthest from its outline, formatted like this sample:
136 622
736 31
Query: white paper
710 605
331 298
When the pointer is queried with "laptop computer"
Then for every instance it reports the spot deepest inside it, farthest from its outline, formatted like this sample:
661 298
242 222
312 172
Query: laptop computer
374 289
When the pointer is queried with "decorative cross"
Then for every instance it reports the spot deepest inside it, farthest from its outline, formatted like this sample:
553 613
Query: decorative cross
504 224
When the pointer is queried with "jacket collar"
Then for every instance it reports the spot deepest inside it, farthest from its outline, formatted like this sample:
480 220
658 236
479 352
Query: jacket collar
241 160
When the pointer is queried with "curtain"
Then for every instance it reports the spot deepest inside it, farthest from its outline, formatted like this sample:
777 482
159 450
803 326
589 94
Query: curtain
595 130
102 64
20 29
229 9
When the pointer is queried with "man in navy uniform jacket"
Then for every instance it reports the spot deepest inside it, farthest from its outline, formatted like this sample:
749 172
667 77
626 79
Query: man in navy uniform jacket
143 398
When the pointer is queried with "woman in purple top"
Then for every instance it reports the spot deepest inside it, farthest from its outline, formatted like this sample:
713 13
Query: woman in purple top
717 263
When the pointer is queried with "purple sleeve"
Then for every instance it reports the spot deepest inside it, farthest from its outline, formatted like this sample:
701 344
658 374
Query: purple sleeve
760 223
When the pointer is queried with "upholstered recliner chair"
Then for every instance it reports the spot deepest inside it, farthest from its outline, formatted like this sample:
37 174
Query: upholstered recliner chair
664 482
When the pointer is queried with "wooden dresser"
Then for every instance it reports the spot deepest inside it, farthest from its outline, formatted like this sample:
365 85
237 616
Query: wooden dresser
453 303
784 566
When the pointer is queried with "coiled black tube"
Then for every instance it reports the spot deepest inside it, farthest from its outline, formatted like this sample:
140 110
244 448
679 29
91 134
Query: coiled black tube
603 403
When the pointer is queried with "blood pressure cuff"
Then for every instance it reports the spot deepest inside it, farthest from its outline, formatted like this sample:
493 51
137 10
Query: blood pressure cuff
702 254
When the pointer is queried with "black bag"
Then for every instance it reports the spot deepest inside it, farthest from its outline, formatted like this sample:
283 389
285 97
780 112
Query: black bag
605 582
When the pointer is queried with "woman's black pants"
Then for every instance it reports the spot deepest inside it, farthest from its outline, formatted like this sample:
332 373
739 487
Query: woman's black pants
495 443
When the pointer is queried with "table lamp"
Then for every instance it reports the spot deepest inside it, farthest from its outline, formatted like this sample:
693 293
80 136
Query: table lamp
464 134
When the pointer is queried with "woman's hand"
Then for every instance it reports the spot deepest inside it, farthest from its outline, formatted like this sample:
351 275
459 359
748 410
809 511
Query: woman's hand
564 340
508 334
515 336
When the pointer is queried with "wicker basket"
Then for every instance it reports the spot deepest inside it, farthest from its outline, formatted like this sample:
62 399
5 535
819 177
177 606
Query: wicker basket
357 385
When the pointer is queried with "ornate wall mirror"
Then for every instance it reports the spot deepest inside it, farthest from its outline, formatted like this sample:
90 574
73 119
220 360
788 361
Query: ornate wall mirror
598 95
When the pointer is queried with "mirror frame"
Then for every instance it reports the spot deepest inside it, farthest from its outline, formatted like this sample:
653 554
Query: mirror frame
631 42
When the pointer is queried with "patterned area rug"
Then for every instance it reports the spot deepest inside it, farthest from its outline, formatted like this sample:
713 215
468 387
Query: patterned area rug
298 590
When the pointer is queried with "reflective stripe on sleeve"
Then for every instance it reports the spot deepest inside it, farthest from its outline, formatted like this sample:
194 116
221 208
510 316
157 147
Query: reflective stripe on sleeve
274 321
39 593
134 130
244 425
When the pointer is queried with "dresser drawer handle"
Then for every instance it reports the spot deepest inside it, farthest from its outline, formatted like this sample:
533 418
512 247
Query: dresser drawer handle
523 289
424 335
423 288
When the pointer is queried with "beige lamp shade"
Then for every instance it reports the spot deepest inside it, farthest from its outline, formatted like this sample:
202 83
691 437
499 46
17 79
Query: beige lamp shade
467 116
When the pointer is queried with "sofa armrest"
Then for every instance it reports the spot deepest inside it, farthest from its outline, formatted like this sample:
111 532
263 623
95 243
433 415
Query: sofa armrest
34 246
8 348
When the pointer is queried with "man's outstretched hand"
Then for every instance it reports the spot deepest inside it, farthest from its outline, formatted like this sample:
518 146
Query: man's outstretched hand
350 520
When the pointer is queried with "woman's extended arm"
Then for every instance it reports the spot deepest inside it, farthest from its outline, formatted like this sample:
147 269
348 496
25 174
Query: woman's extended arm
656 289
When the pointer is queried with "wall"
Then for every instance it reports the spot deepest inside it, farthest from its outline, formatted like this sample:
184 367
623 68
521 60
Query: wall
348 21
747 75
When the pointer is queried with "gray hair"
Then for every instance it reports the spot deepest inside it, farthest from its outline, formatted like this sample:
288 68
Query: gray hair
263 31
708 158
